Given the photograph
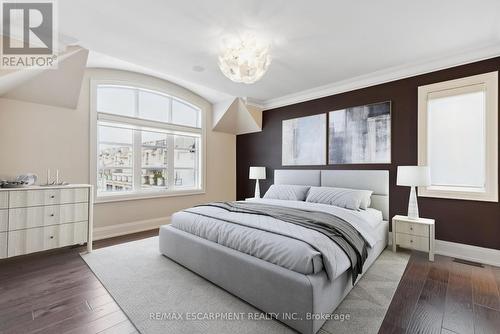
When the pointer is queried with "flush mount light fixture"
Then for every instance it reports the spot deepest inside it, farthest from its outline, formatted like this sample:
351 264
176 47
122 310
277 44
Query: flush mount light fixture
244 59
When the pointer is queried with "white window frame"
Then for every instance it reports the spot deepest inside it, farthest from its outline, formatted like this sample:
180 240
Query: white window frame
96 116
489 83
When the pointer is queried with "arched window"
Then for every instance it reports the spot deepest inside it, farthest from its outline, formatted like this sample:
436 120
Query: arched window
148 143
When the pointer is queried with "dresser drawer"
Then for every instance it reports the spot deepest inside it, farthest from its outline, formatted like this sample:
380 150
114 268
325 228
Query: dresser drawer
3 245
4 199
72 234
37 216
44 238
413 228
4 220
28 198
412 242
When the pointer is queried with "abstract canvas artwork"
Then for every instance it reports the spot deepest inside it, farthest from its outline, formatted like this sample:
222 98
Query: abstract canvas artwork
360 135
304 141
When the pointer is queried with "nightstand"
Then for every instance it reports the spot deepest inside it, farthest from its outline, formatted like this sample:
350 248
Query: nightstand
417 234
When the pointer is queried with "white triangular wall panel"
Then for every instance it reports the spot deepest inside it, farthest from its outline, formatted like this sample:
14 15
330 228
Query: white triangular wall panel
256 113
57 87
236 117
248 118
224 115
12 78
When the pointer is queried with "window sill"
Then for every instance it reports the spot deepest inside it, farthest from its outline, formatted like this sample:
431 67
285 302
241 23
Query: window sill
144 196
471 195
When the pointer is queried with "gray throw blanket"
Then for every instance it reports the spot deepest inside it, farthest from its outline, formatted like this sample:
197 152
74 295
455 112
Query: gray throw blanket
335 228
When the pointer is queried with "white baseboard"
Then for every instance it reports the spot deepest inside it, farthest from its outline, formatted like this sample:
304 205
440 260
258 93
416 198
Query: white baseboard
465 252
129 228
468 252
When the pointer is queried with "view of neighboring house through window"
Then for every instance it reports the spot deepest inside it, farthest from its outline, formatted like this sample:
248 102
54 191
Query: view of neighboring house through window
147 142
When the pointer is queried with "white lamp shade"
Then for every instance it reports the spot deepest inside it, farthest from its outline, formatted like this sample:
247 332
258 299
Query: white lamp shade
413 176
257 173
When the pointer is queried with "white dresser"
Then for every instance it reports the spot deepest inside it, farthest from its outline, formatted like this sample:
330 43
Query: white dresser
35 219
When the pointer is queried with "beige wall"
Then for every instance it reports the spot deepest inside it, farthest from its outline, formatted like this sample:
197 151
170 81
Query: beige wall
35 137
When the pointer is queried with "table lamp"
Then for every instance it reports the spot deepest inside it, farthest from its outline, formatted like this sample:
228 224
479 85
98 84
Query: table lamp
413 176
257 173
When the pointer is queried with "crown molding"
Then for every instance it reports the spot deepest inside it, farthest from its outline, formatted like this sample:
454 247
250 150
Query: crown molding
383 76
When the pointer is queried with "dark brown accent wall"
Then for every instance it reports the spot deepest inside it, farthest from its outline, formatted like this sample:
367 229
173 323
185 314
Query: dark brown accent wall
469 222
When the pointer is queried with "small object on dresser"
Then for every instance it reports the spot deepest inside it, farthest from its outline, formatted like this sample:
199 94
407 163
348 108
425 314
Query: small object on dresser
13 184
411 233
28 179
21 181
56 182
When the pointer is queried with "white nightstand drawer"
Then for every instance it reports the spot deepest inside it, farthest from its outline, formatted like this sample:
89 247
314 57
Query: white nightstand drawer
3 245
412 242
20 199
413 228
44 238
22 218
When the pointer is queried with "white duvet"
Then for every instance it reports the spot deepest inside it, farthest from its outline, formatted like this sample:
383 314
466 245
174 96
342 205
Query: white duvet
287 245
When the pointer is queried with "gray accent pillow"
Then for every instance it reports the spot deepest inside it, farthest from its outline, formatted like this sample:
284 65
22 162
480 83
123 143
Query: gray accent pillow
353 199
287 192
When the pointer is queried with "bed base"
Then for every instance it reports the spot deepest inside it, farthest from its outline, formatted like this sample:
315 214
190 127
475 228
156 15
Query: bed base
266 286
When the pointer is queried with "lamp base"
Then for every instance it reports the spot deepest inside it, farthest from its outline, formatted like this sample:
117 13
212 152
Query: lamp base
257 189
413 204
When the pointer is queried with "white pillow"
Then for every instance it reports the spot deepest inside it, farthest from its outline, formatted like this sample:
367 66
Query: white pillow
353 199
367 200
287 192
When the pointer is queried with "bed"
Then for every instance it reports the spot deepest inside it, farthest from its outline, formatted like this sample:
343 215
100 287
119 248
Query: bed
298 284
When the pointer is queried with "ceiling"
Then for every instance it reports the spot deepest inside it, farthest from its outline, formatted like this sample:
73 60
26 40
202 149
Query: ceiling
313 43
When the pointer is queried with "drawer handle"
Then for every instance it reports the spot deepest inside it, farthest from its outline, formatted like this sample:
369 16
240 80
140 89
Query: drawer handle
52 196
411 228
52 215
411 240
52 237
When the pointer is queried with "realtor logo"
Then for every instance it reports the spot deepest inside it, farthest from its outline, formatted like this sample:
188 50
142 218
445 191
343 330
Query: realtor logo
28 34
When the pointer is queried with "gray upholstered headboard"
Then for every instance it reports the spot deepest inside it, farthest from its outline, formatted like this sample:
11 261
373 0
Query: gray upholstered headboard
298 177
375 180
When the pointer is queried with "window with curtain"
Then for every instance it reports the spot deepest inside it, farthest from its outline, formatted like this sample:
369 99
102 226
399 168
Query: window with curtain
148 142
458 131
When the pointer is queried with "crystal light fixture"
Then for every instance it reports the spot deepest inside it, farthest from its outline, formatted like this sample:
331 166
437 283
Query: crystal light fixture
244 60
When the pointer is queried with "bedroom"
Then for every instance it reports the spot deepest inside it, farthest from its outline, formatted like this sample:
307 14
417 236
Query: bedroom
222 167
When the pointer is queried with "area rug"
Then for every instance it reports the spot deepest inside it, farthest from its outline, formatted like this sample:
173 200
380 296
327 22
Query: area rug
160 296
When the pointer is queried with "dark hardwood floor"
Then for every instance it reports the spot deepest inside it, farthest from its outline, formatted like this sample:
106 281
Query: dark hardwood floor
55 292
445 297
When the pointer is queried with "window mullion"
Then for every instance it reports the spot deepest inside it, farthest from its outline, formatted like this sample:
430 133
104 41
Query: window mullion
137 156
197 168
137 170
170 161
142 123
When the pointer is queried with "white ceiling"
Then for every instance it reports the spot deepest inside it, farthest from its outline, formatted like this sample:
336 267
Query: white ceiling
313 43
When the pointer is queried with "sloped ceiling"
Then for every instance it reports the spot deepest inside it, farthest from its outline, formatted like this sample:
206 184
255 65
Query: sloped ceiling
57 87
